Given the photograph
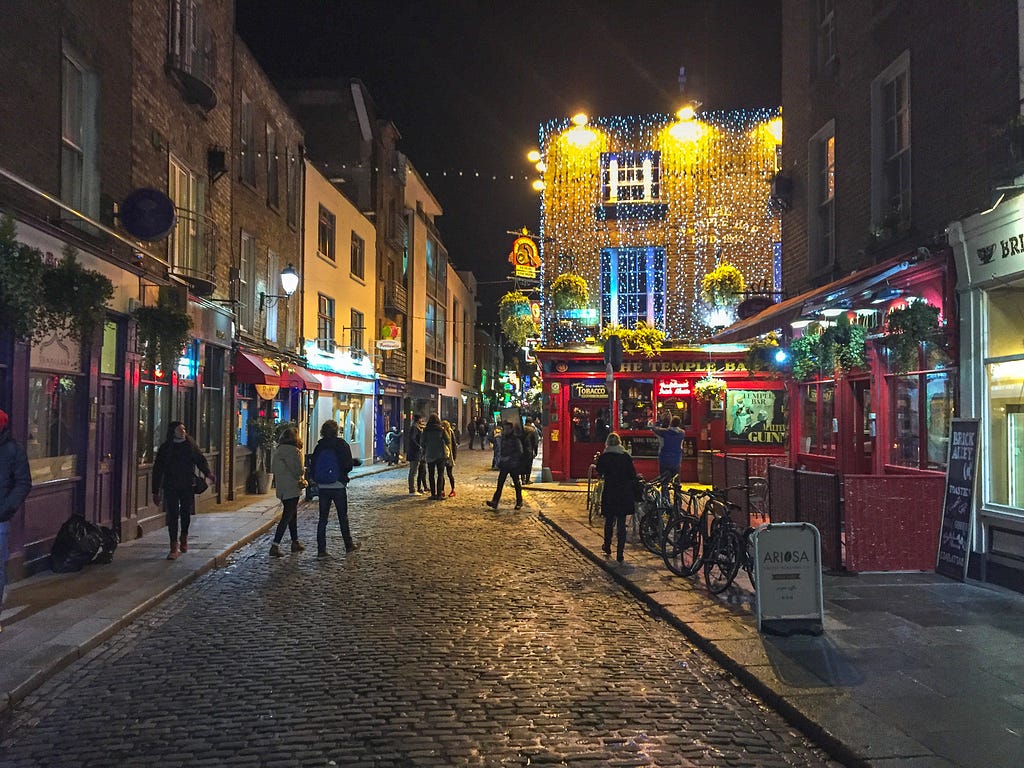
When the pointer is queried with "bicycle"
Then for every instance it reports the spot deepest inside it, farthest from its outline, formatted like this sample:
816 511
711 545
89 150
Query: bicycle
654 515
595 487
727 549
682 539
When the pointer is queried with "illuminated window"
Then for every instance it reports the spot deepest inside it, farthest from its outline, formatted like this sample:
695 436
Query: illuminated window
274 289
630 176
816 412
633 286
1004 368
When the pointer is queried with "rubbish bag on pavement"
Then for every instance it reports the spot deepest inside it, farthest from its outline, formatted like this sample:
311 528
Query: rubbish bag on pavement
80 542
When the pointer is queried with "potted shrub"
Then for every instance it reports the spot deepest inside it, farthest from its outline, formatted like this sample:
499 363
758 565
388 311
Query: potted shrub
722 286
262 434
569 291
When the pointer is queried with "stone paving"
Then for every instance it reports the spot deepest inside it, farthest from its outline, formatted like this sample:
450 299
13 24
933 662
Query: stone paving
454 636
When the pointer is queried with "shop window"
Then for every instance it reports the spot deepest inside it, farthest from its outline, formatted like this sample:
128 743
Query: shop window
1006 432
52 416
817 403
922 407
245 406
636 404
154 416
1005 317
108 354
211 403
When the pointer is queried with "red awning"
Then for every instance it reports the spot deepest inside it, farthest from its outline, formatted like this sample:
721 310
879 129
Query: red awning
250 369
297 377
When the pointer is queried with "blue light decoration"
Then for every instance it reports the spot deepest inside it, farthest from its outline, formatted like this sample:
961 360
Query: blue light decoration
697 189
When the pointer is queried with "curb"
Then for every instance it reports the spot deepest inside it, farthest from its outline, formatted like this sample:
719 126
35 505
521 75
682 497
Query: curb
811 729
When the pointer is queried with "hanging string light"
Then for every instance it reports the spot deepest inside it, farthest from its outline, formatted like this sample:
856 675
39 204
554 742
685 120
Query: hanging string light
709 205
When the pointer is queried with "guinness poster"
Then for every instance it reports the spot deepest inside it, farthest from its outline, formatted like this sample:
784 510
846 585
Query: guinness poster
756 417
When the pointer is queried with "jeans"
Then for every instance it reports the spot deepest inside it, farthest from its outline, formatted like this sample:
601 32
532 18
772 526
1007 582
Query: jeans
619 522
502 474
340 498
417 475
437 477
288 520
5 529
178 506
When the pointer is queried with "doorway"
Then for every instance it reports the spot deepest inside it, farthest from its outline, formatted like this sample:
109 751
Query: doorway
863 429
590 423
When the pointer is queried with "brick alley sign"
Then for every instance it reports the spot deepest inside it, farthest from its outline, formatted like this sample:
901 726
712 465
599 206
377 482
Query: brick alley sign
958 500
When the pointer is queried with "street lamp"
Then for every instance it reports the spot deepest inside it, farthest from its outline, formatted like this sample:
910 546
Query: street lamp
289 282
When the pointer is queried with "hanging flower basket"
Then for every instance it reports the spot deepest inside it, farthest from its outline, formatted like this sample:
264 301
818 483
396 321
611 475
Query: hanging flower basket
516 317
643 339
722 286
710 389
569 291
906 328
164 331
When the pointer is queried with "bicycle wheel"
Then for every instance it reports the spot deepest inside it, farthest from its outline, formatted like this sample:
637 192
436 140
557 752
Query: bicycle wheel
594 510
722 559
748 557
651 527
681 545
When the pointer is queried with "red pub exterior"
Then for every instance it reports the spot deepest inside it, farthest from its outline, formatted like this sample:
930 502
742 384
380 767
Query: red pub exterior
582 404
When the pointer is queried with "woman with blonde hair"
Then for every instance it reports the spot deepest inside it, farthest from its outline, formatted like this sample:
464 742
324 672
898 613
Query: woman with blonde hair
615 465
286 464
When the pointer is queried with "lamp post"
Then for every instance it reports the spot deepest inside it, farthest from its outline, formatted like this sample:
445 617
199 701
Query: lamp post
289 282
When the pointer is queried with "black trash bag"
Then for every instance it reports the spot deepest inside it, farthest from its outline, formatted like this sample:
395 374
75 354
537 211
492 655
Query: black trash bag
110 542
78 543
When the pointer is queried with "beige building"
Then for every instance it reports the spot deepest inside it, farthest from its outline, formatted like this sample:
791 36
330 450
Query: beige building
338 315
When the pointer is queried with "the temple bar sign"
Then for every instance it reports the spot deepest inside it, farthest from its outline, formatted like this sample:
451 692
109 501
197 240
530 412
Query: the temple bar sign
681 366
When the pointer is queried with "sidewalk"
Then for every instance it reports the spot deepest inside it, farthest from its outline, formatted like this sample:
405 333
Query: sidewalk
913 669
52 619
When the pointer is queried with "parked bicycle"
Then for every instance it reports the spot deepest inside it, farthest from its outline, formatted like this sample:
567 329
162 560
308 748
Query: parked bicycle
653 513
595 487
727 548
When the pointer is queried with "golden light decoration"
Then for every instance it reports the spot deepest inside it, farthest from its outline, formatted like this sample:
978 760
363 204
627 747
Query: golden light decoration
533 155
686 112
711 204
538 185
774 127
580 119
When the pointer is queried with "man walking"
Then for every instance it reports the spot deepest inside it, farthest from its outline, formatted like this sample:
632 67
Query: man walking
15 483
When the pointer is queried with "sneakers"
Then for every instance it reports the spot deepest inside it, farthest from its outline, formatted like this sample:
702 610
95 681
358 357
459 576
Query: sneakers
275 551
414 493
184 543
173 554
452 493
491 504
298 546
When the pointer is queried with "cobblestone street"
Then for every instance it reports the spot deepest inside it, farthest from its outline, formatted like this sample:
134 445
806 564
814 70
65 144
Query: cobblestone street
454 636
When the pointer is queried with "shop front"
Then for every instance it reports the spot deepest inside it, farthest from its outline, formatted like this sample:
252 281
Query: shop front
989 250
389 411
582 405
421 399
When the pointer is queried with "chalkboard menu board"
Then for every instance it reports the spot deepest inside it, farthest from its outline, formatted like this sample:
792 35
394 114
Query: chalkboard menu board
642 446
957 505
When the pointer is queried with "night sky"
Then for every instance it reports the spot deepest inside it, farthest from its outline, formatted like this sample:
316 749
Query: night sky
468 83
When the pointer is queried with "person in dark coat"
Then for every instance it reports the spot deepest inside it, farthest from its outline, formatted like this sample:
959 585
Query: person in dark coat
531 446
616 467
335 491
414 455
174 472
437 450
15 483
510 464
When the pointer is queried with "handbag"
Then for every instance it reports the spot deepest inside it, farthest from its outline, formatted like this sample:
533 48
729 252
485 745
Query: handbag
199 484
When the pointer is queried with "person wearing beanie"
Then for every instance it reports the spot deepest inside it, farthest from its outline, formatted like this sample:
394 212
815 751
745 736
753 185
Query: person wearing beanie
15 483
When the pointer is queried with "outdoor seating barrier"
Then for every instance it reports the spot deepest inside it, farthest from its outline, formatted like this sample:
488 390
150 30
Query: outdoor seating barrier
797 496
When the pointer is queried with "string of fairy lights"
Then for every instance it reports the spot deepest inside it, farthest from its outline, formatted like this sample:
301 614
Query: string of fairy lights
706 202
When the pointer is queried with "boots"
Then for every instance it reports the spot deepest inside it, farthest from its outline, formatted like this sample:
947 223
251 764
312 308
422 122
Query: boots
173 554
275 550
298 546
184 543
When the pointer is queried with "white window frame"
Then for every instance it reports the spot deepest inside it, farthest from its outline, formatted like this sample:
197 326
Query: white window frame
79 179
357 262
888 117
630 177
187 191
325 323
611 275
821 205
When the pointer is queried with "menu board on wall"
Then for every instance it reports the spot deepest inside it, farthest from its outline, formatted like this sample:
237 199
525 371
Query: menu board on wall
958 500
756 417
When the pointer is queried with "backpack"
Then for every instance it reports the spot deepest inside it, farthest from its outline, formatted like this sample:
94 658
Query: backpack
326 469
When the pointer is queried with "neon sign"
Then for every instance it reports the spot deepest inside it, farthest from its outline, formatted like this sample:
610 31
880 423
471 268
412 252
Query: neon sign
673 387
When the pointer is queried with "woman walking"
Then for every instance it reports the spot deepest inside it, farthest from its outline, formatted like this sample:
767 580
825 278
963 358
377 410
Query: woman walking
286 464
450 464
509 464
174 472
437 450
616 467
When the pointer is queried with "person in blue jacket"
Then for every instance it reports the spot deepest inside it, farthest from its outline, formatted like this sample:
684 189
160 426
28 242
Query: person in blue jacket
332 487
15 483
670 455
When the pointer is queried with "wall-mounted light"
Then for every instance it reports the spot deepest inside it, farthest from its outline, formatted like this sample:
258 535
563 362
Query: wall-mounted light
802 322
289 283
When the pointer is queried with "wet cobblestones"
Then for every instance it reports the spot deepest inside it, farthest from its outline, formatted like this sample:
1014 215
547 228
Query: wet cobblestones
456 636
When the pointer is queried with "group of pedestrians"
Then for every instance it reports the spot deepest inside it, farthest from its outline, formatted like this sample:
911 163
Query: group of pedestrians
431 450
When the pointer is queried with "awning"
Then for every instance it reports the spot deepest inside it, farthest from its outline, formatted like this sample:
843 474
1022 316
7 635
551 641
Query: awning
297 377
783 313
250 369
